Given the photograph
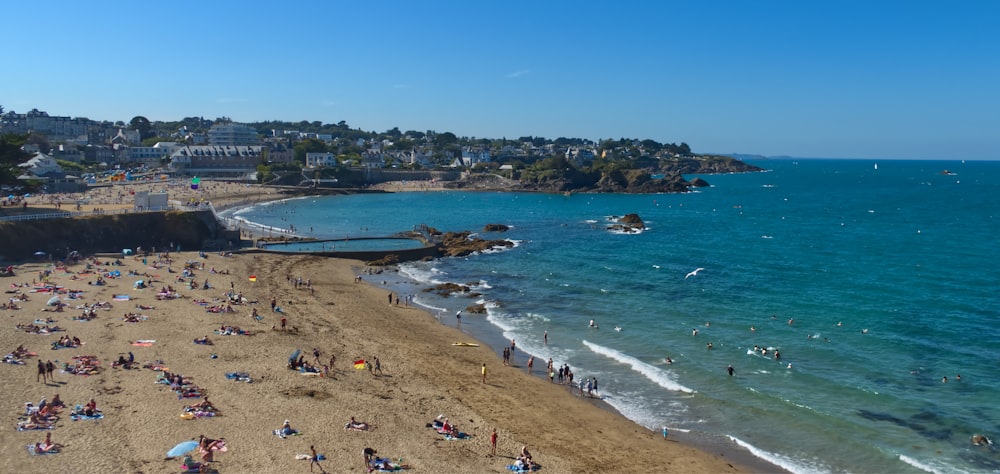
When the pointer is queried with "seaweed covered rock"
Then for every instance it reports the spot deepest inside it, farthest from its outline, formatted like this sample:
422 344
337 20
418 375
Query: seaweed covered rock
628 223
495 228
459 244
447 289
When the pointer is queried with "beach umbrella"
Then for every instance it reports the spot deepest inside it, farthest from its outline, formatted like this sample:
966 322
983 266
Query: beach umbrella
39 253
53 301
195 182
294 356
182 449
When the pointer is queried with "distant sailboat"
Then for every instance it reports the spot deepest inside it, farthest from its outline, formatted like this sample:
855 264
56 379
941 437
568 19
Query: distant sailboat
876 166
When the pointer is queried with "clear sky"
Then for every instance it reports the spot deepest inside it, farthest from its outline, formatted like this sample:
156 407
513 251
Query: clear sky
865 79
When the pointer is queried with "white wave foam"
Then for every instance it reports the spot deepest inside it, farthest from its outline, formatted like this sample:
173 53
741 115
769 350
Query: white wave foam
923 467
417 301
657 375
500 320
421 275
784 462
641 410
539 317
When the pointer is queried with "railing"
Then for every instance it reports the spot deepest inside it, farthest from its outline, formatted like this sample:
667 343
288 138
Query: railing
65 214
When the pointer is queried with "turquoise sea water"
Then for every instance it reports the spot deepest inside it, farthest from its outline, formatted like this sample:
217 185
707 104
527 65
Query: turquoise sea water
887 274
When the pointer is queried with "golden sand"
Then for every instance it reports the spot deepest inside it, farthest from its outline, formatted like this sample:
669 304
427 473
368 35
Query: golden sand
424 377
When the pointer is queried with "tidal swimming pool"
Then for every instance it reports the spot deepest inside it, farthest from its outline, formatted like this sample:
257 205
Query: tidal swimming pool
349 245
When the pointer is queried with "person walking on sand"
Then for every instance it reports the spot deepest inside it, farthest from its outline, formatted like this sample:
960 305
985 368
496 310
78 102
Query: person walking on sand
484 372
493 442
314 459
378 367
50 371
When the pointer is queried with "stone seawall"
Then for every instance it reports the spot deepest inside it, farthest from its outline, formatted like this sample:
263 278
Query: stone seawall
22 240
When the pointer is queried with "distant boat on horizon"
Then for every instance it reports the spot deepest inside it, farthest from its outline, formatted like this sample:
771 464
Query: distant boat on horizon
876 166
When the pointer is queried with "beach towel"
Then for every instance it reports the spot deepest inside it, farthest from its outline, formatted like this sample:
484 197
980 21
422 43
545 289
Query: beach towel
306 457
388 465
460 436
81 416
144 342
34 452
36 427
239 376
121 297
281 435
516 468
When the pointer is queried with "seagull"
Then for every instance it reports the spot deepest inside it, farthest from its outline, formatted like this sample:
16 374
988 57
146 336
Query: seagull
694 273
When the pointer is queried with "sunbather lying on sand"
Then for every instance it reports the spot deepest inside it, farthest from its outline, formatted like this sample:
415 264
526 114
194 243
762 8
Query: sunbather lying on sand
356 425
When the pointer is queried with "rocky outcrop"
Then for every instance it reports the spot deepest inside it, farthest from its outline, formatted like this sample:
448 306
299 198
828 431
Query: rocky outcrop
459 244
495 228
628 223
476 309
447 289
708 164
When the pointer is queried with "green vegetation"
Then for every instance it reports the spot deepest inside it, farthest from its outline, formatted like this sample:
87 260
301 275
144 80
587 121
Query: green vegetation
11 156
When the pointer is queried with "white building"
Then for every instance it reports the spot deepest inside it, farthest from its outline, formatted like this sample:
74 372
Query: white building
475 155
232 134
40 164
149 156
315 160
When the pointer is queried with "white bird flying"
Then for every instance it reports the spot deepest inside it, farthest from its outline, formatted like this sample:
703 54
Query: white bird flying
693 273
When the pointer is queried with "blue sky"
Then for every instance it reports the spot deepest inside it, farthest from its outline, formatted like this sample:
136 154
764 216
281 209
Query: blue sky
869 79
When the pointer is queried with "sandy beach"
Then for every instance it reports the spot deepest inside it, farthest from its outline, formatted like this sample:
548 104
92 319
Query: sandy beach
423 377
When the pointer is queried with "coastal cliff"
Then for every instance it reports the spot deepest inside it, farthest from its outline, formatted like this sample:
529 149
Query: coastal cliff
630 176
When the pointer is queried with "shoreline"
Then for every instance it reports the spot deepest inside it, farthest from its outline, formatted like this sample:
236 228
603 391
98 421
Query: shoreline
715 453
490 336
424 376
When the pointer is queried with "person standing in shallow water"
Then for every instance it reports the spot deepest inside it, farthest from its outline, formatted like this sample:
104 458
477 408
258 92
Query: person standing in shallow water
731 370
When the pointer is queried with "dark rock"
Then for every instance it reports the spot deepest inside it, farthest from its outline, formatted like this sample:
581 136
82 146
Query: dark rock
458 244
699 183
476 309
496 228
447 289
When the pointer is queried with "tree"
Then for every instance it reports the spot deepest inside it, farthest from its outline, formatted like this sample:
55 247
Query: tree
11 156
309 145
141 124
39 140
154 140
444 139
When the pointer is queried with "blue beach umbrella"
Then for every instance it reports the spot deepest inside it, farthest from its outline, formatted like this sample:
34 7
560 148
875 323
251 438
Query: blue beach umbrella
294 356
182 449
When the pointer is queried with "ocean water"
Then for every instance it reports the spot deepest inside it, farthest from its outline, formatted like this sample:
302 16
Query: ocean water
873 281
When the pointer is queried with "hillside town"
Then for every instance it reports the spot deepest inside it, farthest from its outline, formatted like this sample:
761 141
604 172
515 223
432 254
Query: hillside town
66 154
